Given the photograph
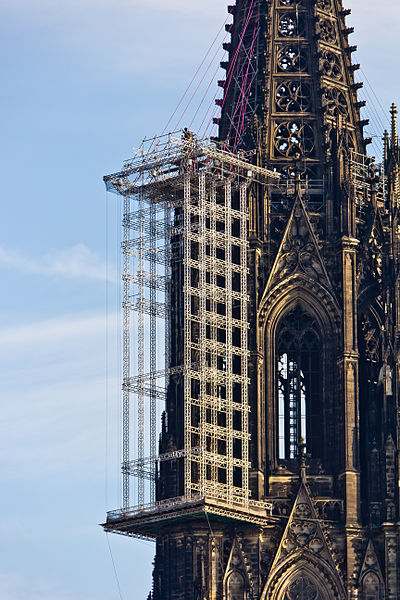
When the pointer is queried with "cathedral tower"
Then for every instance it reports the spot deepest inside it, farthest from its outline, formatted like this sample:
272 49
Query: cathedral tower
278 475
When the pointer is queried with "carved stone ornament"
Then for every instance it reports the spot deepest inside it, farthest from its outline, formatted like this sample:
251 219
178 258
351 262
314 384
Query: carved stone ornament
335 102
330 65
304 551
299 250
327 31
325 5
376 249
237 576
303 531
371 337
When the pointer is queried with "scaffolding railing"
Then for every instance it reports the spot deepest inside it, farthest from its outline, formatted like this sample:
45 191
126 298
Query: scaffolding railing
186 201
363 173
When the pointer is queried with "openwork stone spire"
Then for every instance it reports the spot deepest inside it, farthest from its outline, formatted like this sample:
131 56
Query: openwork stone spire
290 82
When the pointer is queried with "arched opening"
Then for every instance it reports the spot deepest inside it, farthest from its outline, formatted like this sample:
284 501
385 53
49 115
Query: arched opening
298 383
371 417
370 587
235 587
302 588
303 577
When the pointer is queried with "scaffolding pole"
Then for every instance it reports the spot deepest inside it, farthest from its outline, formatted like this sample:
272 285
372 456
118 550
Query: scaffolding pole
126 359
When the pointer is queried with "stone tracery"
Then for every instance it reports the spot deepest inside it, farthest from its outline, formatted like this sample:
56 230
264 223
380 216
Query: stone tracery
331 65
292 59
293 96
291 25
302 589
294 139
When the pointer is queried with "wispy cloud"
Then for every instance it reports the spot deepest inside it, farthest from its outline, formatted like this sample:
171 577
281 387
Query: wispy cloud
58 331
54 374
75 262
15 586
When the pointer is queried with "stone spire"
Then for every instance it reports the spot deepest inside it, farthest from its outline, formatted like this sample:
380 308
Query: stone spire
290 82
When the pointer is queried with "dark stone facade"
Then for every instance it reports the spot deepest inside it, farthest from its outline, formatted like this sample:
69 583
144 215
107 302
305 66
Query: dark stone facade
324 287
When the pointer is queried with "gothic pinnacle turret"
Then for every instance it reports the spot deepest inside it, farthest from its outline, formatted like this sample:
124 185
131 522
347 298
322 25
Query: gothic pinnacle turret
394 137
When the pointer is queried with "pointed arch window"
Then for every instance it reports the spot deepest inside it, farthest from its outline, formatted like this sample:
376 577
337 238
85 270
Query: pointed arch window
299 384
236 587
370 587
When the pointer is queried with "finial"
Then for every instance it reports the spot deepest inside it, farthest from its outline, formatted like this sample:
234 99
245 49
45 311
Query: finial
385 140
302 460
395 139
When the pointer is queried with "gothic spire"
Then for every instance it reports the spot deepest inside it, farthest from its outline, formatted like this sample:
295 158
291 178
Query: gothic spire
289 90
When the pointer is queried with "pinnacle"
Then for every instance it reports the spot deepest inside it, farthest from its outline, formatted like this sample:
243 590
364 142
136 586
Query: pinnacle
394 113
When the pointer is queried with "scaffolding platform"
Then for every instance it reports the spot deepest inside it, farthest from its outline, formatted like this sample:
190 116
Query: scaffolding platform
185 211
148 521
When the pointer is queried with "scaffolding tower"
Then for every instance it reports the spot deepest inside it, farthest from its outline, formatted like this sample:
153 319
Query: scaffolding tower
186 210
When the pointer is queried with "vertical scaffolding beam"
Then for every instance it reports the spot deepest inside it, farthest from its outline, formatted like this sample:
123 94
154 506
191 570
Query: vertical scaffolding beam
229 348
126 358
153 343
244 336
215 389
203 326
167 297
187 217
208 295
141 347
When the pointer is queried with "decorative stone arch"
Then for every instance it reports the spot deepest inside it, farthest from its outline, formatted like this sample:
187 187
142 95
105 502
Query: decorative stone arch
318 302
237 581
235 585
371 586
303 577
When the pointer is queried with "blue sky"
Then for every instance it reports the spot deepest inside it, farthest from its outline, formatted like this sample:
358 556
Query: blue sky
83 82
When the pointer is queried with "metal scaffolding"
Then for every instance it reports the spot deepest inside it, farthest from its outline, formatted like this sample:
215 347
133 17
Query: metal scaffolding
364 172
186 204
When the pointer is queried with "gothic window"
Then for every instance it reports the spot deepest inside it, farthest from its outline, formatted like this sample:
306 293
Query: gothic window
370 587
292 59
302 589
235 587
293 96
294 139
291 25
299 375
